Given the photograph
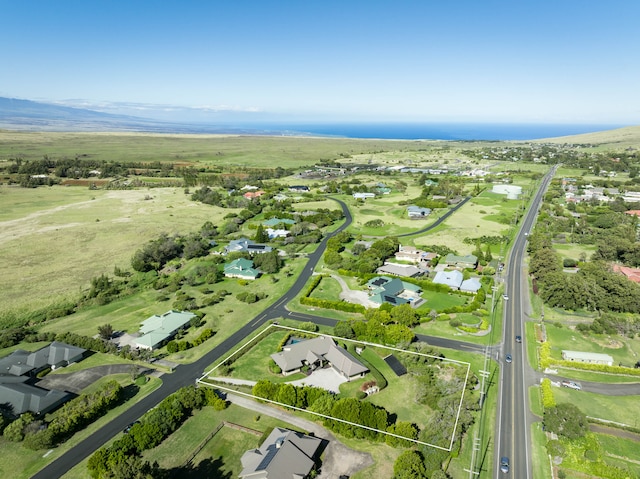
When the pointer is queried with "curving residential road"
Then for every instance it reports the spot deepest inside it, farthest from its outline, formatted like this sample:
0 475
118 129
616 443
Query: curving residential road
187 374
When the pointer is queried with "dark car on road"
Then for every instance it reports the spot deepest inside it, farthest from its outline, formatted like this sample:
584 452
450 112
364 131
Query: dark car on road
518 339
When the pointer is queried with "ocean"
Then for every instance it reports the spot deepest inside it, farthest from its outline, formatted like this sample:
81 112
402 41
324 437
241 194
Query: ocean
429 131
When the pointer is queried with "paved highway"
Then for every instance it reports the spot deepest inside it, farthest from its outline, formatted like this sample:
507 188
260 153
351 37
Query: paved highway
513 422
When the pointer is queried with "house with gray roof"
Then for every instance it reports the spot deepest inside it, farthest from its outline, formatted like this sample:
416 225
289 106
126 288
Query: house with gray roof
244 245
396 269
471 285
241 268
418 213
159 328
273 222
18 372
55 355
586 357
453 279
318 352
284 454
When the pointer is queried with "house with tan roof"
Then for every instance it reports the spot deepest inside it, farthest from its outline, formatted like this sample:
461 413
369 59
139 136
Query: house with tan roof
316 353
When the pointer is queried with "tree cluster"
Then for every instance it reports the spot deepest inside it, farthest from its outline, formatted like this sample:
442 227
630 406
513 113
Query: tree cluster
71 417
153 428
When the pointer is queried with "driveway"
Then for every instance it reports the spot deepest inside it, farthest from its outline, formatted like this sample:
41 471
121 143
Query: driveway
76 382
326 378
338 458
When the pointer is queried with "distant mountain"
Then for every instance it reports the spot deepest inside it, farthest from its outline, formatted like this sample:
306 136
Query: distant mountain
27 115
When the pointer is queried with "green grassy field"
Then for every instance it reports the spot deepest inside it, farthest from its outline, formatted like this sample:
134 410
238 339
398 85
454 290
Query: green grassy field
66 236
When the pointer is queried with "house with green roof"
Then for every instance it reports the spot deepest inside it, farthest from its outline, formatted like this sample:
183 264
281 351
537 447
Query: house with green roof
462 262
241 268
159 328
383 289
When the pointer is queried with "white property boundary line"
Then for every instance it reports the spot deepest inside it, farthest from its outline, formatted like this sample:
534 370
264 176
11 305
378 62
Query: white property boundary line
202 380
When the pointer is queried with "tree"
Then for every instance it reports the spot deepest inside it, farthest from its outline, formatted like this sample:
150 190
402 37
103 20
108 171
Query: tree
409 465
261 235
404 314
344 330
566 420
105 331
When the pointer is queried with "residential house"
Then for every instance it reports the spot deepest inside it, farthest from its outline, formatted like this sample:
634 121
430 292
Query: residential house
55 355
417 213
414 255
284 454
316 353
453 279
462 262
18 373
363 196
244 245
160 328
471 285
273 222
241 268
383 289
277 233
253 194
632 274
396 269
585 357
299 188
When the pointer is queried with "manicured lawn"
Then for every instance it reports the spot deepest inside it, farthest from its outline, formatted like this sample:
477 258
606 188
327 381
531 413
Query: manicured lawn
621 409
565 338
253 364
621 452
328 289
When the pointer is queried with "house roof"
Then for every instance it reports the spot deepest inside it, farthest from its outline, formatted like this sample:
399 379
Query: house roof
453 279
246 245
22 362
284 454
170 321
400 269
277 221
24 397
455 259
241 267
586 356
471 284
295 355
158 328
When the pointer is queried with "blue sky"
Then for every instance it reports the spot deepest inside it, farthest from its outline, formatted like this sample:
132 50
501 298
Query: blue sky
469 60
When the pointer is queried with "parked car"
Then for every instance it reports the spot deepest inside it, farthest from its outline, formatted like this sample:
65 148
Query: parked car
572 385
504 464
128 428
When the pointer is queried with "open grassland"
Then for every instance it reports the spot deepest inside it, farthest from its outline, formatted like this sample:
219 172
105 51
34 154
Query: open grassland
619 138
56 239
202 150
623 350
489 214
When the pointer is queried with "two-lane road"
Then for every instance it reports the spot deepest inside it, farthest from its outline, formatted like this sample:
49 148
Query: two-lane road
512 425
